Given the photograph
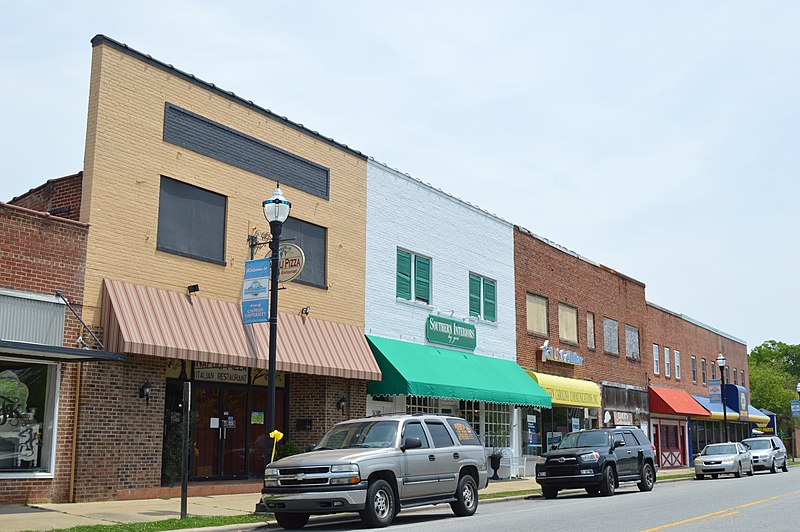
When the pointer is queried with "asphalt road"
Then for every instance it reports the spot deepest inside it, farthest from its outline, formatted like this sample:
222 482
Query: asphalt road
765 500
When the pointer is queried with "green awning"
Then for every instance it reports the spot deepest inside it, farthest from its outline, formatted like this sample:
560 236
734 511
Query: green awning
427 371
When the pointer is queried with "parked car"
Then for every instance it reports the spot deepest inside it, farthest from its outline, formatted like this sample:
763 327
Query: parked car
723 458
377 466
598 460
768 452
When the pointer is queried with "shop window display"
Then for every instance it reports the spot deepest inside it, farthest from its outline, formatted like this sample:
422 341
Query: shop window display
27 403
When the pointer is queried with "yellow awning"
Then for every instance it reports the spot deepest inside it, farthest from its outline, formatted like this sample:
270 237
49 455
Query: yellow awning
569 392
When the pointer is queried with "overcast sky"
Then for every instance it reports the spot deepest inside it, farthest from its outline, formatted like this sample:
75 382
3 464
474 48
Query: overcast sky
661 139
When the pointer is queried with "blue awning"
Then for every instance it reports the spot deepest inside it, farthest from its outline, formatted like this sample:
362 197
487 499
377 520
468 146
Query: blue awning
714 408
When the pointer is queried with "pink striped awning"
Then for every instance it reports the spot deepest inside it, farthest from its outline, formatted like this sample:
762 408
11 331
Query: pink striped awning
149 321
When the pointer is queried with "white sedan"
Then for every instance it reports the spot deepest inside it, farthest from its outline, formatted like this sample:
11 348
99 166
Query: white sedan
723 458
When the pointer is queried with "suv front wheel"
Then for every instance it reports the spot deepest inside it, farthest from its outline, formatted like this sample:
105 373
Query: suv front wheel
608 484
380 509
291 520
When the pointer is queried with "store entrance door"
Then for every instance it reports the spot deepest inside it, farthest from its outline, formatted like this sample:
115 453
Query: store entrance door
220 432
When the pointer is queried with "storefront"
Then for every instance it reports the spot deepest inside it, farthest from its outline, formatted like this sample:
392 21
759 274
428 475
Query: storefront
483 390
575 406
669 421
226 362
625 404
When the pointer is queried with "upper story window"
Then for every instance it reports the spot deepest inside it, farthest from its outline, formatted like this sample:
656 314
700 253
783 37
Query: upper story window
667 363
735 382
590 330
694 369
191 221
536 314
703 371
482 297
677 364
656 360
742 374
632 342
611 336
727 374
713 370
413 277
313 240
567 323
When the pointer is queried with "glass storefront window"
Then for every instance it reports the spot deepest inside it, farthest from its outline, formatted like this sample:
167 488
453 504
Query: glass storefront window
27 423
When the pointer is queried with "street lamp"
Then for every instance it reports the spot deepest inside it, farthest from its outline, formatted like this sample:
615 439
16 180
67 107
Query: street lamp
721 360
276 211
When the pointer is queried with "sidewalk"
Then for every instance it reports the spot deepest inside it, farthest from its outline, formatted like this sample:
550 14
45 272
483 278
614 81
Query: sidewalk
15 517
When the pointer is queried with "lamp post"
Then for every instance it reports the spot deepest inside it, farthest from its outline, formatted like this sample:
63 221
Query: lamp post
276 211
721 360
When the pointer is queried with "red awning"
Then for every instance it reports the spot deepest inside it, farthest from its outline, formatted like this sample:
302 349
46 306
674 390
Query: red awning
149 321
675 402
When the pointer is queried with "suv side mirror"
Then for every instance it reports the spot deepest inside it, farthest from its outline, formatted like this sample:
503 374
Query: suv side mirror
310 447
411 443
619 443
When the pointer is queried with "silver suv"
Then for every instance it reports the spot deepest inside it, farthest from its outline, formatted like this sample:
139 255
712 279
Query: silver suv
376 466
768 453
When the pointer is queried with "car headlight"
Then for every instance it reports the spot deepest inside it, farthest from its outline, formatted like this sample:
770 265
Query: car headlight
593 456
727 460
344 468
271 472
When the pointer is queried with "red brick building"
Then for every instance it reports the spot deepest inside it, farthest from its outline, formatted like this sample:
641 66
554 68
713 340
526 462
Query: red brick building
39 369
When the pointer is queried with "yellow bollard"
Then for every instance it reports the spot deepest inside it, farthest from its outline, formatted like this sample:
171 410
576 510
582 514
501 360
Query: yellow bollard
276 436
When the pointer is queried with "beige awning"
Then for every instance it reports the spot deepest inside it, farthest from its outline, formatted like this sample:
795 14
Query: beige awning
149 321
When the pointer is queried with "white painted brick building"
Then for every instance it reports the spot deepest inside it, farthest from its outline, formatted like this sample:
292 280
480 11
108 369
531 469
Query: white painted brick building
459 238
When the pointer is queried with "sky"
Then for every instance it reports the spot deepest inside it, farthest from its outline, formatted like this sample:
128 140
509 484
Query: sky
661 139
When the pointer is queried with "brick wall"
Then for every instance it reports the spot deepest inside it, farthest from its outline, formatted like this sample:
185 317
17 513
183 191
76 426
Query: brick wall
667 329
314 397
120 435
41 254
561 276
60 196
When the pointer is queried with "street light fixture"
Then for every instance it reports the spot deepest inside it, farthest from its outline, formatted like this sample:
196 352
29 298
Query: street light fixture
721 360
276 211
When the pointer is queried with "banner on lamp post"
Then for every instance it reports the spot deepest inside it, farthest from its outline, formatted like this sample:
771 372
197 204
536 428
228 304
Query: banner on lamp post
795 408
255 293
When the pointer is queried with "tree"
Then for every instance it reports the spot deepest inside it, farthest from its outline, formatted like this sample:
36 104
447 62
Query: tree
772 352
774 374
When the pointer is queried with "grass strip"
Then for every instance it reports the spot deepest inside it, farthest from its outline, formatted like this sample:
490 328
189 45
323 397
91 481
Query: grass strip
195 521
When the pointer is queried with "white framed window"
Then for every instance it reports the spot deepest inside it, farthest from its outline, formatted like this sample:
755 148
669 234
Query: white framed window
28 413
536 314
611 336
413 280
713 370
667 363
694 369
677 355
482 297
567 323
735 382
656 360
742 373
590 330
703 372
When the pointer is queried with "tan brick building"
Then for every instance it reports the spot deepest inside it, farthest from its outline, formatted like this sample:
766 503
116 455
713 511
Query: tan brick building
175 173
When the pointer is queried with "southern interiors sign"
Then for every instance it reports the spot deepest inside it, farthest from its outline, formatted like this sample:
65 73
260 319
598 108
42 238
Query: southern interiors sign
449 332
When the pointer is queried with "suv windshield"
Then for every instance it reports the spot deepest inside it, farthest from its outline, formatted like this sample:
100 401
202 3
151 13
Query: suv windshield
584 439
758 444
376 434
720 449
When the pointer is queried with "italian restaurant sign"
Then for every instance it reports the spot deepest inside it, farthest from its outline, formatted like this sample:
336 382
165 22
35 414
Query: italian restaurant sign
449 332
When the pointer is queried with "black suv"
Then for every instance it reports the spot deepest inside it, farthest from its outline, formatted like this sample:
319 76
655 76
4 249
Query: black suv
598 460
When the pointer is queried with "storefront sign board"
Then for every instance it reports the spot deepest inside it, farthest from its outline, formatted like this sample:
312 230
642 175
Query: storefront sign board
205 371
291 260
623 418
565 356
449 332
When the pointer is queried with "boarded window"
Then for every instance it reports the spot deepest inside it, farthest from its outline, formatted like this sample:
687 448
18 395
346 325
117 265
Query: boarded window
312 239
191 221
536 314
611 336
590 330
567 323
632 342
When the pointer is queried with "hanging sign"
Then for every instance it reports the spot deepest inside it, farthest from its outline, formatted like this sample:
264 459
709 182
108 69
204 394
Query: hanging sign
454 333
290 262
255 297
795 404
